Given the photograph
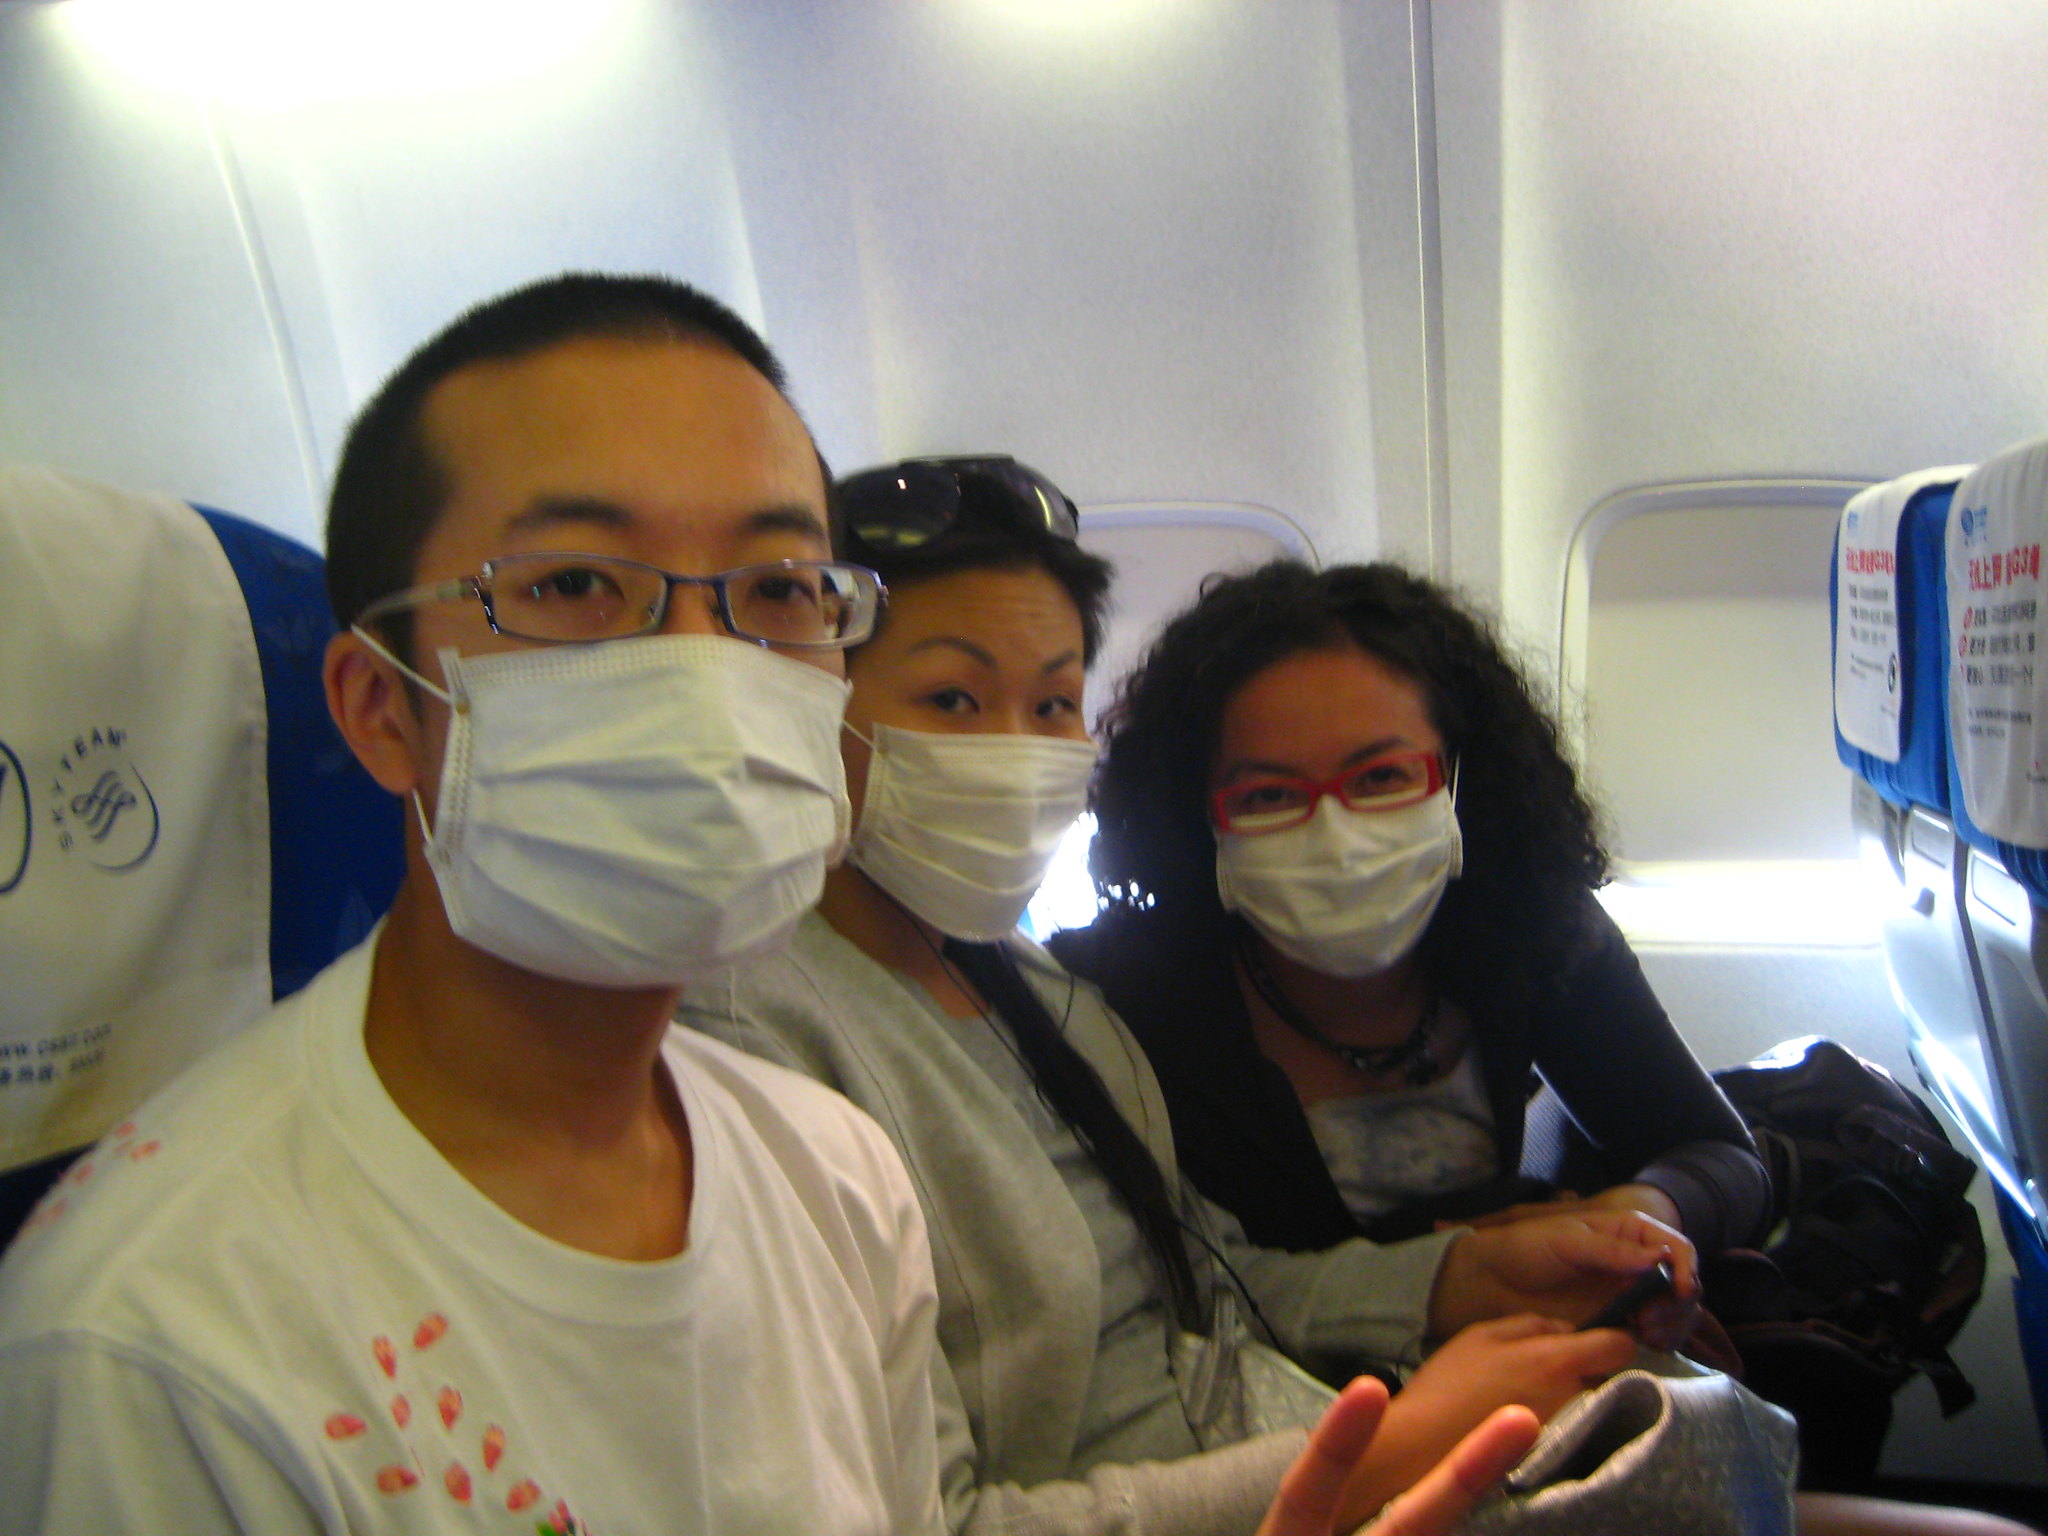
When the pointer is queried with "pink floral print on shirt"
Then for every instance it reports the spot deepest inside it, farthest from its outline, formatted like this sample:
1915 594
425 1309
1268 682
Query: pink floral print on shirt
123 1144
436 1450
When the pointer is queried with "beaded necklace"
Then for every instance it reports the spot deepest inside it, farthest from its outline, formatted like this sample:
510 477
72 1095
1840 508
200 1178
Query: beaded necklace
1414 1057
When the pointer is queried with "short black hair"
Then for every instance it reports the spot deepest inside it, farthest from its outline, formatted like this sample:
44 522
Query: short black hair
389 487
986 538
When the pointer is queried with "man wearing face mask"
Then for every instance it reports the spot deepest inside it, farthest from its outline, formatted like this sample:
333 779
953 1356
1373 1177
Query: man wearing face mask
465 1235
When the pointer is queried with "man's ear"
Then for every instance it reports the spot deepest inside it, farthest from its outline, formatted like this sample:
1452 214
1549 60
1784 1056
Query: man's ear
374 711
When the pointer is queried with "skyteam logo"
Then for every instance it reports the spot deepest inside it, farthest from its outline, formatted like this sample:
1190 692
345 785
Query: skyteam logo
15 820
1976 523
100 804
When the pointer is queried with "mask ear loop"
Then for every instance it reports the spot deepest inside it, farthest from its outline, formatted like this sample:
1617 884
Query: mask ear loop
1458 860
459 704
446 653
420 811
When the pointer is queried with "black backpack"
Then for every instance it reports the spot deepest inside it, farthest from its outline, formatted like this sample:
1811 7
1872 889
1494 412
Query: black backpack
1873 1259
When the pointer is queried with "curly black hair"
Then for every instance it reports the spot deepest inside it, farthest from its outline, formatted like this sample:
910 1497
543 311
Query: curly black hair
1519 912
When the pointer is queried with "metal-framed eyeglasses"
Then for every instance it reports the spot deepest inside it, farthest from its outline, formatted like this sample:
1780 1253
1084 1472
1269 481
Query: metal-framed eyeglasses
562 598
1249 807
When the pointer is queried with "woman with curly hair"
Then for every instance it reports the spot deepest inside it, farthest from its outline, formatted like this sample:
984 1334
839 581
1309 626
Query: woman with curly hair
1348 879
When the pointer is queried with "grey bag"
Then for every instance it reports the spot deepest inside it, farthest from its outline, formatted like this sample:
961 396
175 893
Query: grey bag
1678 1450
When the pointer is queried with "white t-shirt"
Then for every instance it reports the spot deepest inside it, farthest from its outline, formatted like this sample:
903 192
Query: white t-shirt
268 1304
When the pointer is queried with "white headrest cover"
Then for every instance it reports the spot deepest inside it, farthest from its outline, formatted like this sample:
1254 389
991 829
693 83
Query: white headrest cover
134 805
1997 648
1868 684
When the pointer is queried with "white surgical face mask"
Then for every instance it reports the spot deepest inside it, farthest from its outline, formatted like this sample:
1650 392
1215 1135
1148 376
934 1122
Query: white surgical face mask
1347 893
633 813
960 829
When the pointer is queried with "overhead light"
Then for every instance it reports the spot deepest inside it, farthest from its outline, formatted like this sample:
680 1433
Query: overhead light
279 54
1076 16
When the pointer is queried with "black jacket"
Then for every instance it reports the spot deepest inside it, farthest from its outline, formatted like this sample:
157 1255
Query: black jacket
1626 1101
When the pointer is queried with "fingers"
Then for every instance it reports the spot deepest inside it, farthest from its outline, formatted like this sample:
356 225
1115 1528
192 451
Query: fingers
1627 1242
1307 1502
1564 1266
1565 1203
1563 1367
1599 1352
1685 1271
1446 1493
1582 1351
1522 1325
1535 1361
1647 1198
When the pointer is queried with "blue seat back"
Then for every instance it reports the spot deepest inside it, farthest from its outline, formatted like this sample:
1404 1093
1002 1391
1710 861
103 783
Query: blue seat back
336 838
1994 597
1900 805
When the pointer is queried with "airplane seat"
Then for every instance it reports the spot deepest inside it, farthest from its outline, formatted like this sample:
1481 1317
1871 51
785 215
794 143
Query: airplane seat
183 835
1890 619
1888 610
1998 791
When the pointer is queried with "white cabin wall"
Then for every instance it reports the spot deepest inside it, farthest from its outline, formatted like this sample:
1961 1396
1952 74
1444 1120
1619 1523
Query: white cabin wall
1387 50
1465 62
198 292
1172 250
133 344
383 219
1688 241
1165 250
1125 244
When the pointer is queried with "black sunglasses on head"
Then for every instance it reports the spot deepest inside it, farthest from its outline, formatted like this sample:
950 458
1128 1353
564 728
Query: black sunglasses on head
913 503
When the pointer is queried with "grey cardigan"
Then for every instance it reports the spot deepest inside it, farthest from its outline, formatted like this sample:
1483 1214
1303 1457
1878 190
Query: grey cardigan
1018 1276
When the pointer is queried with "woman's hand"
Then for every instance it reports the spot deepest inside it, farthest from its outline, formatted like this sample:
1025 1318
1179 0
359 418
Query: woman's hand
1312 1501
1532 1362
1565 1266
1646 1198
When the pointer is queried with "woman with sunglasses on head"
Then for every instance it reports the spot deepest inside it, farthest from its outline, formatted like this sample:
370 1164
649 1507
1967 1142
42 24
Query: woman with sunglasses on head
1085 1295
1348 879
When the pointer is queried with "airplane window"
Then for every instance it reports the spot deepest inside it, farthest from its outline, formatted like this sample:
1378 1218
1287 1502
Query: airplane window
1067 898
1161 550
1697 646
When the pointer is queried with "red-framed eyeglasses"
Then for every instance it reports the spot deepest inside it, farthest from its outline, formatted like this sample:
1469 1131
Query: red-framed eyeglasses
1274 803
